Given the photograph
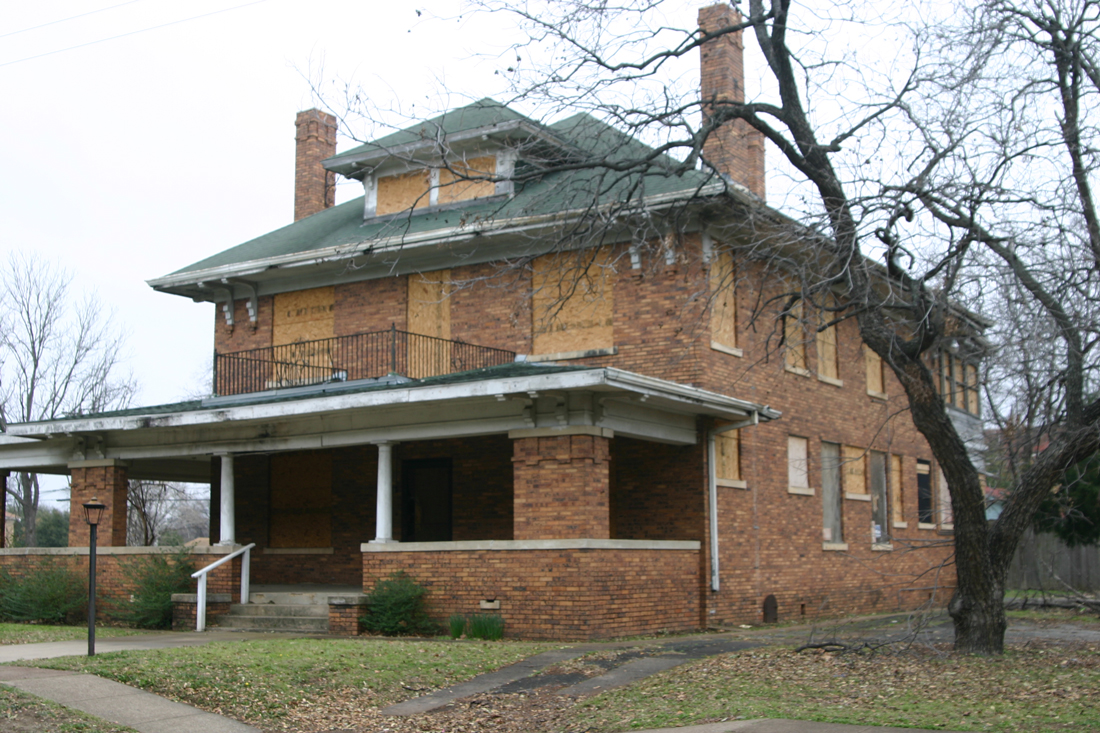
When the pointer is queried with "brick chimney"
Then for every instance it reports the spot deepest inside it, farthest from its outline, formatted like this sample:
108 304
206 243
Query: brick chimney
735 149
314 187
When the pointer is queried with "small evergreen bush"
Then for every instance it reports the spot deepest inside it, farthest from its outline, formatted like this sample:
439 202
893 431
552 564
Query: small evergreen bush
154 580
396 608
54 593
457 623
488 626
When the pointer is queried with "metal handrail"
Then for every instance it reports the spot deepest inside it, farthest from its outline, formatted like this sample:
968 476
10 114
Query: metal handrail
200 615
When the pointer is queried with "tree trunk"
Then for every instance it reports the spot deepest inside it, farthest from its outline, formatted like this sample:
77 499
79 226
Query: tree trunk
28 500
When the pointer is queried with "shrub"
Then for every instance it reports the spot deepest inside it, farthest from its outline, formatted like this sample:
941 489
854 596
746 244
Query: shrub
457 623
154 580
53 593
486 626
396 608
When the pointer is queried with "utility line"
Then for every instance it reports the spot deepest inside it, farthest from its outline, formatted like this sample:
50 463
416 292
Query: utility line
65 20
131 33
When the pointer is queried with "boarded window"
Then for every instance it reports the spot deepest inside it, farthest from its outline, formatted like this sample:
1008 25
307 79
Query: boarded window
301 323
897 512
798 475
401 192
727 455
572 304
794 339
832 529
925 510
301 500
723 309
947 514
876 467
429 314
973 401
465 179
827 353
852 470
876 382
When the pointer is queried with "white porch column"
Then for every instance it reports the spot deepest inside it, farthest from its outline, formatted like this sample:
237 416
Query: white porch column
383 523
228 502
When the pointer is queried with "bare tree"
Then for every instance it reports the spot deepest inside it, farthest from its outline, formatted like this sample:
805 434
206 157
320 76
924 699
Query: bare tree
160 511
912 206
62 357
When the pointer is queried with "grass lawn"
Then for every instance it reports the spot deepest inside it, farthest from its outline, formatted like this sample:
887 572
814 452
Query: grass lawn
22 713
36 633
262 681
1029 689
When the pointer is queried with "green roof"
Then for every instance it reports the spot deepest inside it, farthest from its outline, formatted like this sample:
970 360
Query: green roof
556 191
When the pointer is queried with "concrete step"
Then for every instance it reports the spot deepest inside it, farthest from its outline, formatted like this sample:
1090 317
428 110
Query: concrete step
294 598
313 624
277 609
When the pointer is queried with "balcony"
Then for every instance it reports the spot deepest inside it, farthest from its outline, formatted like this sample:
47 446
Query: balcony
344 358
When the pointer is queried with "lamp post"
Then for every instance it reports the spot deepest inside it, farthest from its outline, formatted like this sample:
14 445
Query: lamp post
93 510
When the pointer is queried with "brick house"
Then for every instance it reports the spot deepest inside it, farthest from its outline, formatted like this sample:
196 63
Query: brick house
593 441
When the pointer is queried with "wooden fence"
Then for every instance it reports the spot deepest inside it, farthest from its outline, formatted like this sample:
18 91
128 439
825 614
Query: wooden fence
1042 559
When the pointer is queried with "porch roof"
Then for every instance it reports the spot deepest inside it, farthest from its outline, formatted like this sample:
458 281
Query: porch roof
175 442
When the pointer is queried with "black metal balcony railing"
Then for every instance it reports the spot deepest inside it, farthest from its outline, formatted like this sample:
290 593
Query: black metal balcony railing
362 356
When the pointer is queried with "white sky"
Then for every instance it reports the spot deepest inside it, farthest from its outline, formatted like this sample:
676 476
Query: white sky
146 135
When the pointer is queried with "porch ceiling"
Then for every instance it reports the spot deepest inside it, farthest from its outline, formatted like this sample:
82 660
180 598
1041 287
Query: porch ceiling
176 442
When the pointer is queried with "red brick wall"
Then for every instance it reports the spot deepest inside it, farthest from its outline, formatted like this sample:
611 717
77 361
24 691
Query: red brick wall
494 309
561 488
109 485
371 305
113 585
658 491
556 594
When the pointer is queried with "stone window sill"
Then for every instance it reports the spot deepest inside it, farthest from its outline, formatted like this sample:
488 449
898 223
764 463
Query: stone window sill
830 380
857 497
901 525
798 370
732 483
834 546
731 350
925 525
882 547
876 395
801 490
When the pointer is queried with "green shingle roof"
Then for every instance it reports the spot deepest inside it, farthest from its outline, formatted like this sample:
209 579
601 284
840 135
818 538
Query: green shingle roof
553 192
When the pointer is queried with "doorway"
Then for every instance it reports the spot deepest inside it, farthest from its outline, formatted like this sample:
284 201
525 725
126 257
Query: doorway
426 500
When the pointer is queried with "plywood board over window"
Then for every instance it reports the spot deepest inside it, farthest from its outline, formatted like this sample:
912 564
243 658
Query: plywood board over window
466 179
302 322
723 308
827 353
897 509
573 302
876 379
798 459
429 314
794 339
402 192
727 457
301 500
853 470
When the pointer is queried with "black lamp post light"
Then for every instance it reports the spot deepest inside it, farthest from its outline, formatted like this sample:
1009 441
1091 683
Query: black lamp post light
93 510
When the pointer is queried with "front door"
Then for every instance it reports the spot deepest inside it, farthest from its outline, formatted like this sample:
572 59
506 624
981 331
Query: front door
426 500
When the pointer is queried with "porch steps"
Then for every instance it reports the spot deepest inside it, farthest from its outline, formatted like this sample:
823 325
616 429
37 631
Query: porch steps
297 611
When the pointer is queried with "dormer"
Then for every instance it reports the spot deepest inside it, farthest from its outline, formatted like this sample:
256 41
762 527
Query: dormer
470 153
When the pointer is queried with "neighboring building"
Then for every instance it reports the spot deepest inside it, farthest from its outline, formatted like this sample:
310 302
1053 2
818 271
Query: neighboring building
595 443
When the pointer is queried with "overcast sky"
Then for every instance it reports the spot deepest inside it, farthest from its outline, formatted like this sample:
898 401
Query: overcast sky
130 156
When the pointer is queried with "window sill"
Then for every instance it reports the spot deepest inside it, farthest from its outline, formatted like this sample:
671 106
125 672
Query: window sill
731 350
877 395
925 525
901 525
732 483
801 490
566 355
797 370
830 380
857 497
882 547
834 546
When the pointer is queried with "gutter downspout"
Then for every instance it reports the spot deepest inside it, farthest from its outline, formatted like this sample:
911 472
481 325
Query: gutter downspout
712 481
